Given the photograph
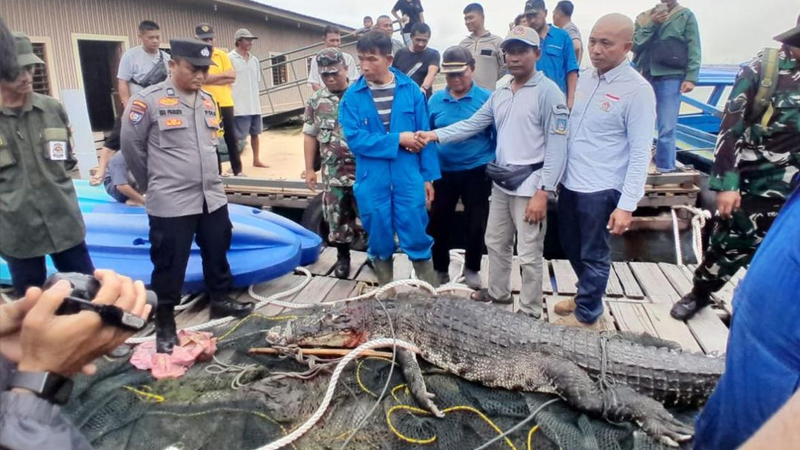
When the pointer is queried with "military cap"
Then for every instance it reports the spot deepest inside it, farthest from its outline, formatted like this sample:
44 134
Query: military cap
456 59
534 6
521 34
204 31
327 60
791 37
195 52
25 55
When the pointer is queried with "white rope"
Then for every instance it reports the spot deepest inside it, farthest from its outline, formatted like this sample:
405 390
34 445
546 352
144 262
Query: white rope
182 306
303 429
222 321
220 368
699 218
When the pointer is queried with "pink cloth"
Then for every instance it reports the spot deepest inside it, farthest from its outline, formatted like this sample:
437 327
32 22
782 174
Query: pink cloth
192 346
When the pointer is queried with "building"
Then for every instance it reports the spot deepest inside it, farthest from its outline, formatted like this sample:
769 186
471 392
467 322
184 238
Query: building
82 42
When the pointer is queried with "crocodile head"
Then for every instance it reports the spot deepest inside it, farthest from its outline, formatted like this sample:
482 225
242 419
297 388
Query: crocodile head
341 326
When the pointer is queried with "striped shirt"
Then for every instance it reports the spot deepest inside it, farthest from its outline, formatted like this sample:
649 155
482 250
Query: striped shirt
383 96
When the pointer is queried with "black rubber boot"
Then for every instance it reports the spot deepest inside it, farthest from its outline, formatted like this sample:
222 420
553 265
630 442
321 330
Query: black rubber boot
224 306
166 331
688 306
342 268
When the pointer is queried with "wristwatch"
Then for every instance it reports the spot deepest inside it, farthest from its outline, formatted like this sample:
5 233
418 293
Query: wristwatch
49 386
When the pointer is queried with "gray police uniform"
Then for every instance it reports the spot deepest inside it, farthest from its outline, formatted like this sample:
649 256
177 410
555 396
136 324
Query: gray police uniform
169 140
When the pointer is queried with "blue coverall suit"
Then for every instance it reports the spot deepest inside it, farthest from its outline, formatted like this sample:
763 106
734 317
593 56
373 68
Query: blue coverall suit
762 364
390 181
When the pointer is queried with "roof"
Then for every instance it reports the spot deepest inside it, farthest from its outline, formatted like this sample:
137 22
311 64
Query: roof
283 14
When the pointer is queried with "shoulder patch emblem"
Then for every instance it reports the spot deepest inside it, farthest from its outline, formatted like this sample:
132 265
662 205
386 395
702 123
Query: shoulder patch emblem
209 104
173 122
135 117
168 101
561 126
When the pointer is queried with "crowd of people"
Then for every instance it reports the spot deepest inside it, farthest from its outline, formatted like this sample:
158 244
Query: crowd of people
516 127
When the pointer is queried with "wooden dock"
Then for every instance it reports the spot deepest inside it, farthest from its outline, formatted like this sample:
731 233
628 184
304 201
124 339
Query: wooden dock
638 297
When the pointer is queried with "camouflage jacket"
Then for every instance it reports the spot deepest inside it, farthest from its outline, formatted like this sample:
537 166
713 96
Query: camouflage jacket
760 159
321 119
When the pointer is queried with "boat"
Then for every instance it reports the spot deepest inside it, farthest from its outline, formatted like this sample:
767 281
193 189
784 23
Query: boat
264 246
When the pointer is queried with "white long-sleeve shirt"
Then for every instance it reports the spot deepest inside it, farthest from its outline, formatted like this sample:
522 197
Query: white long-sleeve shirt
611 134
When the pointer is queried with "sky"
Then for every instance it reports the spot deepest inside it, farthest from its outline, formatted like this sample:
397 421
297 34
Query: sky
731 31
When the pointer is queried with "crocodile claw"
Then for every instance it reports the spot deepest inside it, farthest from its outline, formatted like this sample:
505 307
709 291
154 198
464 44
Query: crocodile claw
667 429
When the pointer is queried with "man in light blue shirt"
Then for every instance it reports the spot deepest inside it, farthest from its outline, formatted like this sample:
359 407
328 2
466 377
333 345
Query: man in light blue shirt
608 153
558 61
530 116
463 167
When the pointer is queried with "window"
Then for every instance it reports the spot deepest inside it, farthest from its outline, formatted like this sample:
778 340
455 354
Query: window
41 77
280 73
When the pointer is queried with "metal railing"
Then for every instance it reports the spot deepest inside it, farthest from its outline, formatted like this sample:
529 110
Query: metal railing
269 63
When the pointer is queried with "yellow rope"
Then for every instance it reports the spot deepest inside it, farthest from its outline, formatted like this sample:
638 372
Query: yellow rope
145 396
358 374
530 435
432 439
261 316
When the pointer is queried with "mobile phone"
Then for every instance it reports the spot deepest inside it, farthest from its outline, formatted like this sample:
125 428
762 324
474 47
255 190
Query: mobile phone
661 8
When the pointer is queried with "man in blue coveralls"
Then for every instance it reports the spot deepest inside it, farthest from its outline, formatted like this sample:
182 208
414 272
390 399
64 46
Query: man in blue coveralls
394 171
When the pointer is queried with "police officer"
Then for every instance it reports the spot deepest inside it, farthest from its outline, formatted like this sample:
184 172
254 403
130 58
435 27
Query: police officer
169 139
39 213
755 166
323 134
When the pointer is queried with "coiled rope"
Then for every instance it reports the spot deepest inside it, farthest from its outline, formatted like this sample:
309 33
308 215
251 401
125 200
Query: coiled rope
698 221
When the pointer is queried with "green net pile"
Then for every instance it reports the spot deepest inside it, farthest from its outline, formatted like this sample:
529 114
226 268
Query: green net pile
123 408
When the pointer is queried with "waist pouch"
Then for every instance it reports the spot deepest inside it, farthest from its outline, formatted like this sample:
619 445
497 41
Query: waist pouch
510 176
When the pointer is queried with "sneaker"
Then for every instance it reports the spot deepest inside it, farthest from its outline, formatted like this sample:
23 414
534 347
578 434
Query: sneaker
484 297
688 306
565 307
472 279
572 321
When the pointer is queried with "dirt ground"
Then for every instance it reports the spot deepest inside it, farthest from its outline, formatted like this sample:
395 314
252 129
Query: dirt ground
280 148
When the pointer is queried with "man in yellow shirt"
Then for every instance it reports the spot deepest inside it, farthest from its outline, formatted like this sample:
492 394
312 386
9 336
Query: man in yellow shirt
221 76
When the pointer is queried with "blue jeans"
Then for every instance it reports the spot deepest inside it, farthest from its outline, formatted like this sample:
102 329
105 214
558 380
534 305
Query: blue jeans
668 107
582 220
762 366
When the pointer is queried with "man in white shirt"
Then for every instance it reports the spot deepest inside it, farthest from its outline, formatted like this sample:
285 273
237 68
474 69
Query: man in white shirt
608 153
143 65
333 39
530 115
246 93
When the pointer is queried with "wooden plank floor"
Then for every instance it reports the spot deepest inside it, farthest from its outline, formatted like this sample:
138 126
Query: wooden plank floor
638 297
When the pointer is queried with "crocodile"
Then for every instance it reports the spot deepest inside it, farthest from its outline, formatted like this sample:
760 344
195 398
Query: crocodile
620 377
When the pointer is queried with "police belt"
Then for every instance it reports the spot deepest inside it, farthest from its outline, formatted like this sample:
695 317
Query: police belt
510 176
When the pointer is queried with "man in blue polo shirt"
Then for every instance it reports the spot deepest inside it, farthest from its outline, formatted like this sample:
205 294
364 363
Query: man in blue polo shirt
558 61
463 167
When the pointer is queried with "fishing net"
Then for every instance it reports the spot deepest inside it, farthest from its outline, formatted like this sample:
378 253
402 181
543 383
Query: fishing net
123 408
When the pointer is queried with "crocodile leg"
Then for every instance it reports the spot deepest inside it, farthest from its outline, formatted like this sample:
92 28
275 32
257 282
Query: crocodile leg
416 382
648 340
617 403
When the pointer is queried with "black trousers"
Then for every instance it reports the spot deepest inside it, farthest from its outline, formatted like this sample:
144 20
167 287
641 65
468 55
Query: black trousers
32 272
473 187
229 133
171 245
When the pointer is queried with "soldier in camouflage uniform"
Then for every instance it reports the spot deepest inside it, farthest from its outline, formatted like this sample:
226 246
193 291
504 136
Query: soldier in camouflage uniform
323 133
755 169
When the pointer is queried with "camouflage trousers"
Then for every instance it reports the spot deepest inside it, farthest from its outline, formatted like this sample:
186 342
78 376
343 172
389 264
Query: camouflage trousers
340 211
734 241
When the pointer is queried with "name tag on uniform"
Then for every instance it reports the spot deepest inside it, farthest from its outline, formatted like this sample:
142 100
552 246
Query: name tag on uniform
58 150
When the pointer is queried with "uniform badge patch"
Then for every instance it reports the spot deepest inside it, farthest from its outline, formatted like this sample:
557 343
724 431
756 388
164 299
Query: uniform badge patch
204 52
208 104
171 92
168 101
561 126
135 117
173 122
605 106
58 151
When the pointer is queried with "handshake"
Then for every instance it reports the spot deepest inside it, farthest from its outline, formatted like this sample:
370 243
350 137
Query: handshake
415 142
